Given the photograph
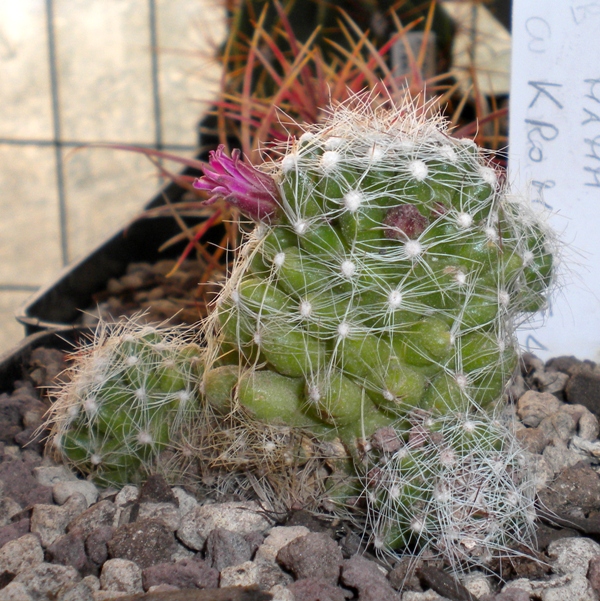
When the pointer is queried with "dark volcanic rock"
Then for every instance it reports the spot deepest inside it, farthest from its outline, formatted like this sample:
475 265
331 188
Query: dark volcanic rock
96 544
13 531
225 548
68 550
145 542
315 556
311 589
583 387
20 484
576 487
156 490
99 515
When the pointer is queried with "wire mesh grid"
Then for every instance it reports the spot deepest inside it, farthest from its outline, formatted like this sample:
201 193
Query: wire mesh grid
81 72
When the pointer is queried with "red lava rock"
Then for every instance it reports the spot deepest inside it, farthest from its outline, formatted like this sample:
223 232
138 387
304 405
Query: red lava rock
186 573
313 589
315 556
145 542
366 577
13 531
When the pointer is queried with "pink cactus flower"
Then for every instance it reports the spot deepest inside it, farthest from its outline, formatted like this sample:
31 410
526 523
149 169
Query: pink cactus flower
253 192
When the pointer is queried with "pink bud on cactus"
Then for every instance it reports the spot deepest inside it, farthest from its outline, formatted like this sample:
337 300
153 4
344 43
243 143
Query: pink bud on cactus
253 192
404 222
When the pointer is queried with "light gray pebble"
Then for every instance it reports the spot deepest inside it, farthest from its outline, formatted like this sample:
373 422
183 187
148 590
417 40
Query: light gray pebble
128 494
121 575
477 583
560 425
15 591
165 513
568 587
8 509
551 381
578 588
50 475
572 555
82 591
181 552
21 554
588 427
61 491
558 457
50 521
429 595
186 501
278 538
588 447
281 593
240 517
244 574
46 580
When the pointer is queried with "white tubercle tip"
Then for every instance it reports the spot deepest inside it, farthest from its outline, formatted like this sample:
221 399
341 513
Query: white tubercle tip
395 299
353 200
418 169
279 259
329 160
289 162
300 226
348 268
343 329
464 220
413 248
305 308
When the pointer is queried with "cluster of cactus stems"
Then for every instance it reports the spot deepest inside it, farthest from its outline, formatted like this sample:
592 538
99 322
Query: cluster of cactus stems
377 297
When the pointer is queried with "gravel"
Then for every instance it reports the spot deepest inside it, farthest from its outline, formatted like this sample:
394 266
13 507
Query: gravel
63 538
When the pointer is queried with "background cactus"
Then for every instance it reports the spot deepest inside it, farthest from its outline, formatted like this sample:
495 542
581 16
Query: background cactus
131 398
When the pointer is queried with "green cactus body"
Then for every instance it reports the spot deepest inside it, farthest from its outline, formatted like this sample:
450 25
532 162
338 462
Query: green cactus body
128 401
397 262
386 287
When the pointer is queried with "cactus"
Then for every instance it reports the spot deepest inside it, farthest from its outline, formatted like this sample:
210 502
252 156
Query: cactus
384 282
359 350
457 487
387 273
130 398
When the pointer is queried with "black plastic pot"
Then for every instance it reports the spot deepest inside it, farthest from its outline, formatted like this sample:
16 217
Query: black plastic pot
13 363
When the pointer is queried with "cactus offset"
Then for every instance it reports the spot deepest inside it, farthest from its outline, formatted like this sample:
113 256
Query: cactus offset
131 397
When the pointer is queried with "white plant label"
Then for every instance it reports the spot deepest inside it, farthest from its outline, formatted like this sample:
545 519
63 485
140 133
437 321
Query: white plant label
555 157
